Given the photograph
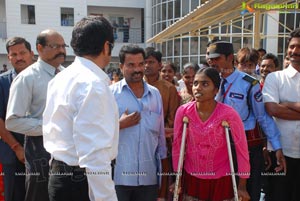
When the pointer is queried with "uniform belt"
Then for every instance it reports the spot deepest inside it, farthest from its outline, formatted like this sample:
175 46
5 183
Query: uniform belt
255 136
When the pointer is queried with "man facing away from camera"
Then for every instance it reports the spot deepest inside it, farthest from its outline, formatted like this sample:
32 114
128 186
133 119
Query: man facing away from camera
81 121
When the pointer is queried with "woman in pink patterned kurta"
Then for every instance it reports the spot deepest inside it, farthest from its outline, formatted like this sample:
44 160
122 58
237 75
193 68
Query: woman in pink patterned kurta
206 164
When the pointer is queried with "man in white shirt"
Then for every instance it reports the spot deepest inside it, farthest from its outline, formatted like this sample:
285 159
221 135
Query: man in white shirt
282 100
81 120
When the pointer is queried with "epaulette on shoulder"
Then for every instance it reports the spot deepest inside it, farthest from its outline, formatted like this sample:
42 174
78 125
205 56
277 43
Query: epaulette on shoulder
250 79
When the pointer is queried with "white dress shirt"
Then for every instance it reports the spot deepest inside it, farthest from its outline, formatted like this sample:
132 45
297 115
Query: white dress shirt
81 124
284 86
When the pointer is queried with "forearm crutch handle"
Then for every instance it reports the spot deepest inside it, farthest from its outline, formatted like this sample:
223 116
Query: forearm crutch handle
181 159
232 173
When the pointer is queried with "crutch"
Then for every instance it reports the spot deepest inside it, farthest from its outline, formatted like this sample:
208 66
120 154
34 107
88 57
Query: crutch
235 191
181 158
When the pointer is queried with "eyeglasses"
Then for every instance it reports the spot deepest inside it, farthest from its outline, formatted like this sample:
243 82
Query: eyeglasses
57 46
111 45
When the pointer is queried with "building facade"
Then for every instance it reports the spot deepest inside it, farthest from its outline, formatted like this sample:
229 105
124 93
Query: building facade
135 21
28 18
240 31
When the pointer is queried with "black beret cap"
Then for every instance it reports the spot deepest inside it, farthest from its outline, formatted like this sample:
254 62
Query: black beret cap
220 47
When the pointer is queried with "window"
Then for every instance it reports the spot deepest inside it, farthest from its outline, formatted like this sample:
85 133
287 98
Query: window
203 42
177 8
194 60
164 11
170 10
290 19
27 14
185 46
121 27
67 16
194 46
248 24
158 13
236 41
194 4
236 26
185 9
177 47
117 21
170 48
163 49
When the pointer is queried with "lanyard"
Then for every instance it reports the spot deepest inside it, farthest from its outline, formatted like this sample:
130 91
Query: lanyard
226 92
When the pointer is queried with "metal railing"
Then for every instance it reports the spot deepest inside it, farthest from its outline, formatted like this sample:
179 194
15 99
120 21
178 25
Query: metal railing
128 35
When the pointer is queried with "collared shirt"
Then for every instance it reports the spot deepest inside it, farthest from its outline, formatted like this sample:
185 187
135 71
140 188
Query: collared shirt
7 155
27 99
81 124
5 82
236 92
170 98
284 86
142 146
206 149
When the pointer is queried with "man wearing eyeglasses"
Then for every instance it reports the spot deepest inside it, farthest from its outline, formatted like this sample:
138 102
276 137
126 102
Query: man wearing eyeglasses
25 108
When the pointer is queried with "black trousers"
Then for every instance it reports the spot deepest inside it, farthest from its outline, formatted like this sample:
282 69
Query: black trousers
137 193
256 165
67 182
14 181
37 169
280 187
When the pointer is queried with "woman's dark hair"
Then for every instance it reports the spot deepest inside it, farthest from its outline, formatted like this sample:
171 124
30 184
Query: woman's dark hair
171 64
213 74
189 65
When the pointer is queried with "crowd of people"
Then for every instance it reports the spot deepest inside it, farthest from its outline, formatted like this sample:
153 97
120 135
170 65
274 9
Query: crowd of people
75 134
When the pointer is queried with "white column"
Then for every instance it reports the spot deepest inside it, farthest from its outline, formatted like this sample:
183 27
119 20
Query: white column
148 20
271 26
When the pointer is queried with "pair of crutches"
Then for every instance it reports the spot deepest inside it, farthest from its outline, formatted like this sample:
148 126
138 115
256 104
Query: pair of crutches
181 159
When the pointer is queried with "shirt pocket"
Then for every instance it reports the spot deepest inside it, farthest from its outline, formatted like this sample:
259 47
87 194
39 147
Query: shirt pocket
151 121
238 102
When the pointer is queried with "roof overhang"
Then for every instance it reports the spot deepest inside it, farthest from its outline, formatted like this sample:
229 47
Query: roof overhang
208 14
